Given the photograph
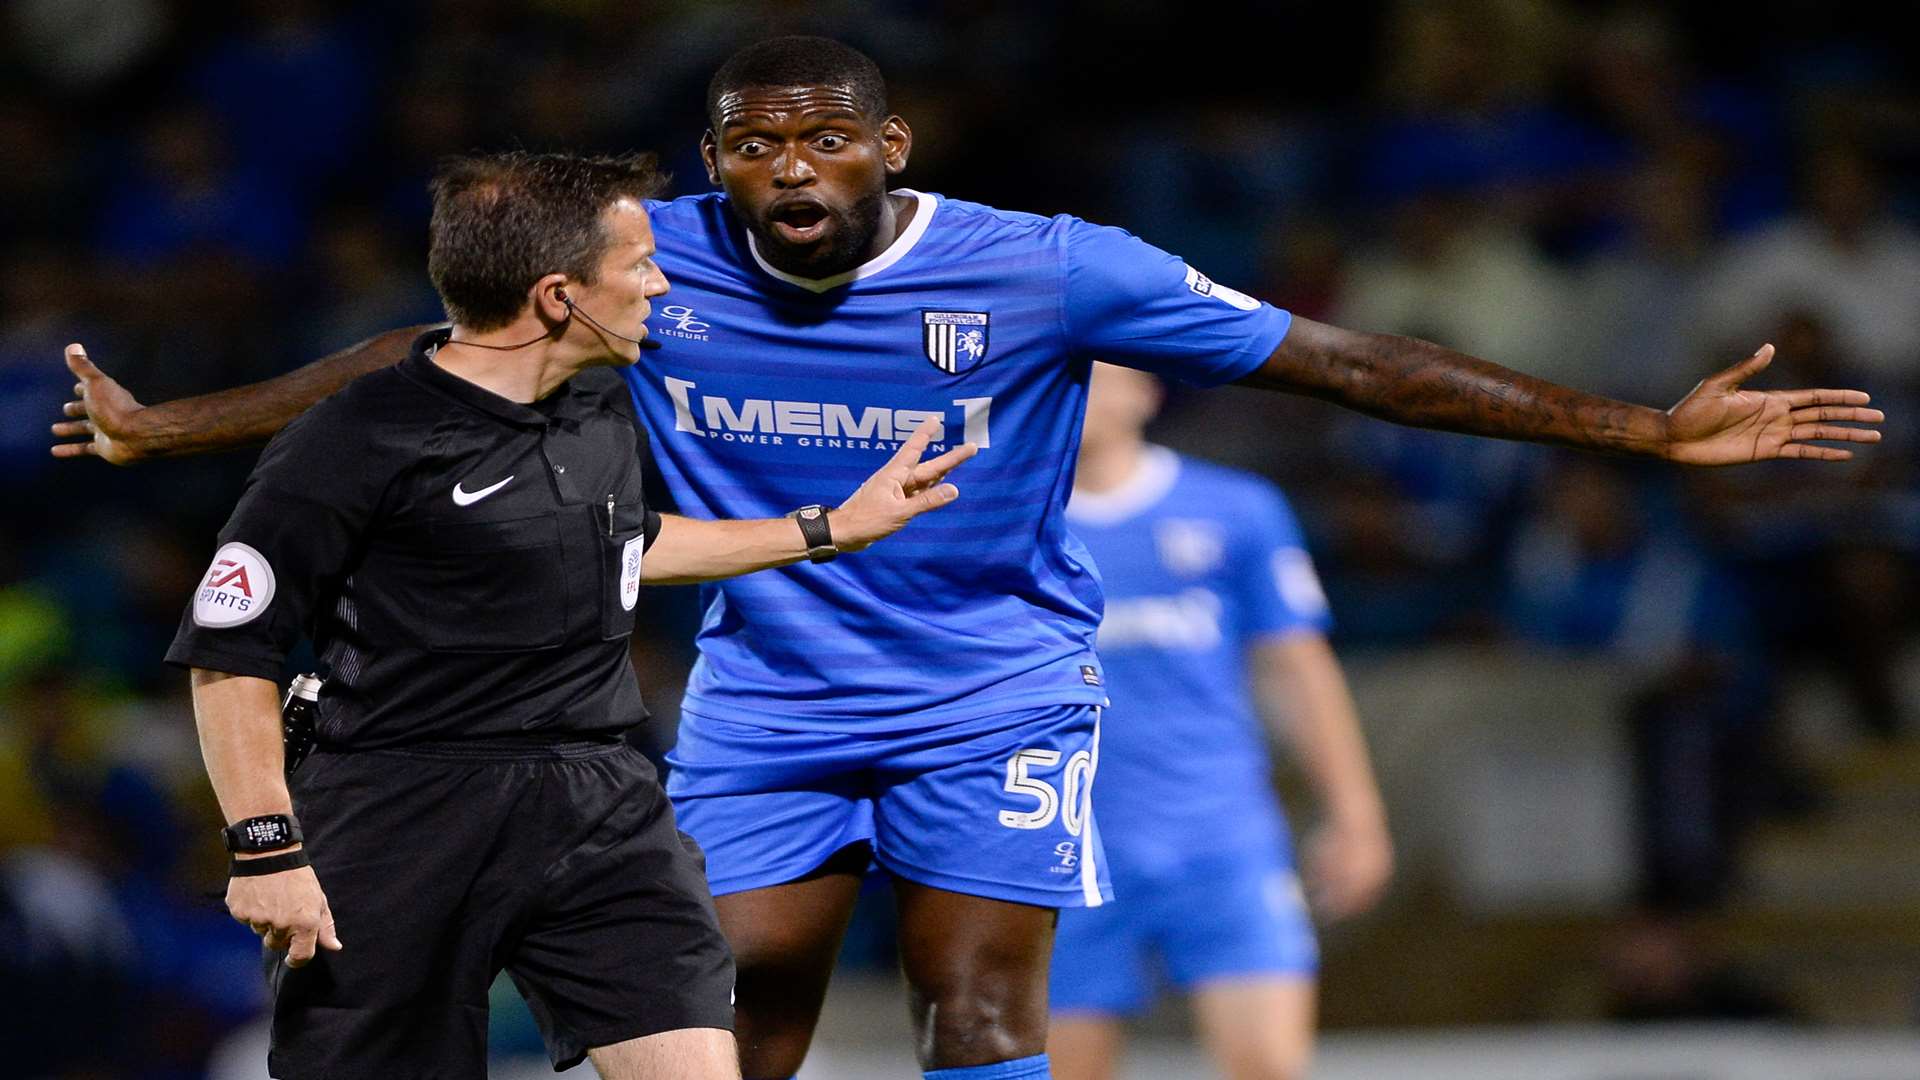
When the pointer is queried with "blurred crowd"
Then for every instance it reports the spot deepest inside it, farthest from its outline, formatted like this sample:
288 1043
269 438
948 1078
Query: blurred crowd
1617 197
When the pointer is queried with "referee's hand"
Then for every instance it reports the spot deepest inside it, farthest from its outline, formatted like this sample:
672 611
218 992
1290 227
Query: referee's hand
903 489
287 910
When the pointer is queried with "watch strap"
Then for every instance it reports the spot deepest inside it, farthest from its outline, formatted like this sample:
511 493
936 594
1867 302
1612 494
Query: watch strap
270 864
815 533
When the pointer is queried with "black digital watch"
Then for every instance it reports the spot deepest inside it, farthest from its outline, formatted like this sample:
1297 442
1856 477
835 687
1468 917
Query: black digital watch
269 832
815 533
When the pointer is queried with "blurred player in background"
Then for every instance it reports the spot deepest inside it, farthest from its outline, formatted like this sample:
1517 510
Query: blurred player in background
935 707
1215 621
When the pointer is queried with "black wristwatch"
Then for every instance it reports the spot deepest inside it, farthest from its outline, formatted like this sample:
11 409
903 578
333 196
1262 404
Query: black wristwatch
814 532
270 832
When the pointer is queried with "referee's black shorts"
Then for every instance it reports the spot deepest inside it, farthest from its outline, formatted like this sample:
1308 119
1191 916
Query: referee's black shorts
558 862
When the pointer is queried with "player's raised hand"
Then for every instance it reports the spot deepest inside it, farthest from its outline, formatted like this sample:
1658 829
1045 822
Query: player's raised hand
106 413
904 488
1721 424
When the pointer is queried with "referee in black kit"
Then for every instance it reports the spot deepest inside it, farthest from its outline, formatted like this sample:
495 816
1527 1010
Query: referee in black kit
464 537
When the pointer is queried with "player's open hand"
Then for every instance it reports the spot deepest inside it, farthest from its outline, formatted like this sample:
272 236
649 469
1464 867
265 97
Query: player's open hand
903 489
1721 424
1346 867
287 910
107 415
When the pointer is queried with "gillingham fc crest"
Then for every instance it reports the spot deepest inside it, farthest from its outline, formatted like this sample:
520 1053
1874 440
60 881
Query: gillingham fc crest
956 341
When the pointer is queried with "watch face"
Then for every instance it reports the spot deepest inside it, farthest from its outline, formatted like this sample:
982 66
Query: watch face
262 833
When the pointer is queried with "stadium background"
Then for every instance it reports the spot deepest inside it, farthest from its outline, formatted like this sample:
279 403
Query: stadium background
1649 739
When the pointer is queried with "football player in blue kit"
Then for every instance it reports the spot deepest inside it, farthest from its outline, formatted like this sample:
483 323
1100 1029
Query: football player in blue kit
1215 621
933 707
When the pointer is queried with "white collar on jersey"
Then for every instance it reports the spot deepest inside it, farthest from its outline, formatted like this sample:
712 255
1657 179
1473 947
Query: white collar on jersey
896 251
1152 478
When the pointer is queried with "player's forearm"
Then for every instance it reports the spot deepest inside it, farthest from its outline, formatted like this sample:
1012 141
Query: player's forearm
692 550
247 415
239 721
1416 382
1303 693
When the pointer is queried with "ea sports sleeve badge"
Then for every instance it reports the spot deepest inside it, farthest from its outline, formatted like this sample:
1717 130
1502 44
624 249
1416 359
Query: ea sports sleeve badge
238 587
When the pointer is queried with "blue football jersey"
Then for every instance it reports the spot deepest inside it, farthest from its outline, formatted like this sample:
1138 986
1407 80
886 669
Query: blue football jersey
772 392
1199 563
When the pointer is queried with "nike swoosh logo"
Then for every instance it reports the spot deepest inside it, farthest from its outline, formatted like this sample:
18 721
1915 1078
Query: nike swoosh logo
468 498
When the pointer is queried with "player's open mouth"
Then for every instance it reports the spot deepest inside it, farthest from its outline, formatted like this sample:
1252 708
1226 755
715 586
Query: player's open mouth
799 222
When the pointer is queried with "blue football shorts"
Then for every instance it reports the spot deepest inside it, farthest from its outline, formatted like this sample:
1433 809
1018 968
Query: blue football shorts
1215 918
1000 807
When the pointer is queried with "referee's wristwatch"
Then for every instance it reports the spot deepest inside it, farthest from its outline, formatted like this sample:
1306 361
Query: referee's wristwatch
269 832
815 533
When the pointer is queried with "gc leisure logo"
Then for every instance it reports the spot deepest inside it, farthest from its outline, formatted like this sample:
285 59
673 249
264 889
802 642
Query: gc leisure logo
679 321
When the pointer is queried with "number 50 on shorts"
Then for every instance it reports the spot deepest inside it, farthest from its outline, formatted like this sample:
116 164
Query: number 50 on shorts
1067 798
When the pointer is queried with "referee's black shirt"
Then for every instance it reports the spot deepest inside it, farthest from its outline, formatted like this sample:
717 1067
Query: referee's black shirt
466 565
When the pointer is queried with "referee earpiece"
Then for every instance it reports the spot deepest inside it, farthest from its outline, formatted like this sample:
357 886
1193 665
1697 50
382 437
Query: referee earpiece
572 309
560 294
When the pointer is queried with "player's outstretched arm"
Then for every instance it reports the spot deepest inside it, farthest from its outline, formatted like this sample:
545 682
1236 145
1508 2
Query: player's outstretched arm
690 550
109 424
1419 383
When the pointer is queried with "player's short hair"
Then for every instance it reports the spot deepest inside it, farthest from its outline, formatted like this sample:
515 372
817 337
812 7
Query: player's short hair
503 221
799 60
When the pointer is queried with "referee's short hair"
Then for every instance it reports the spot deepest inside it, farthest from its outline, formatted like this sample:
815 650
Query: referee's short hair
503 221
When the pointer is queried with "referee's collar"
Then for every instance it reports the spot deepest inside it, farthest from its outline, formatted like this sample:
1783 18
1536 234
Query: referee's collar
569 402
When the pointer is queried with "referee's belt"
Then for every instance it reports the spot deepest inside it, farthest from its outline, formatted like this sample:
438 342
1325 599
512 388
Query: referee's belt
567 746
